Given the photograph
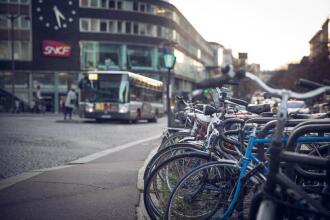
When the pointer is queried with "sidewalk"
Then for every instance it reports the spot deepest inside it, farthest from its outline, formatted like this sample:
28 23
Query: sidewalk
104 188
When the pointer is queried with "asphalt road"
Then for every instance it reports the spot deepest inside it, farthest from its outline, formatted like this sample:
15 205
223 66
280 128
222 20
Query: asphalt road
40 141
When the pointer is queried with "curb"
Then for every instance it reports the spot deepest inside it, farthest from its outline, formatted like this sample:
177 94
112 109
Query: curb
141 213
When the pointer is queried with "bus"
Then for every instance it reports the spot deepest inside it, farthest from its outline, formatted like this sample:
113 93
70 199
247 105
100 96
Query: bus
120 95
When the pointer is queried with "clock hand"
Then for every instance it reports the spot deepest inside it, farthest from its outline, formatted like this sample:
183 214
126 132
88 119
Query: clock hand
58 15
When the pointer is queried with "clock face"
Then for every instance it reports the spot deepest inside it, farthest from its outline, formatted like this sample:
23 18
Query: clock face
55 14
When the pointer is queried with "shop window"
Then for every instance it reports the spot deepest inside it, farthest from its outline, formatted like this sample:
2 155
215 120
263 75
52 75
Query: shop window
108 55
112 4
103 26
136 28
119 5
44 80
128 28
139 56
119 27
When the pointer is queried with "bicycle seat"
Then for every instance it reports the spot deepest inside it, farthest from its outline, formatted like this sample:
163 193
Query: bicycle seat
259 108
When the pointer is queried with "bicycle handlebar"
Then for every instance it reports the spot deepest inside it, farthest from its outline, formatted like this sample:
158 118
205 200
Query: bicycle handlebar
291 94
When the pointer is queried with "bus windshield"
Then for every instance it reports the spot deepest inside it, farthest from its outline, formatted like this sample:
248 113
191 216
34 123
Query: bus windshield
109 88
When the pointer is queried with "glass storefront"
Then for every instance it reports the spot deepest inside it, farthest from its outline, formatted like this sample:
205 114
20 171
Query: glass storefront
139 56
53 88
99 55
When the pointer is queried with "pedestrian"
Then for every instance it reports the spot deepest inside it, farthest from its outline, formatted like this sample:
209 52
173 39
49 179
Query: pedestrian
70 103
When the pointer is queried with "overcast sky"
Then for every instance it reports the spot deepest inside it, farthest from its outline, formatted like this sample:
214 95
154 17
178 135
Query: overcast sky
272 32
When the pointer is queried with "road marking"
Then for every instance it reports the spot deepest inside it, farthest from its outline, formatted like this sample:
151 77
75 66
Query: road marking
15 179
97 155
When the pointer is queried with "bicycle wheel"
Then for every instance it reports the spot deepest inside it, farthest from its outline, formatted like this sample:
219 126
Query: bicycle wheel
207 191
174 139
167 152
165 176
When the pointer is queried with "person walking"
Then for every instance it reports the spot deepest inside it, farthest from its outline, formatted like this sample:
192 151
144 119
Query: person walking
70 103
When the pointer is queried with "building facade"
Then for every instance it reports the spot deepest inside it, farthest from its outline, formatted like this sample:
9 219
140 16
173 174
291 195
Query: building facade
320 42
55 40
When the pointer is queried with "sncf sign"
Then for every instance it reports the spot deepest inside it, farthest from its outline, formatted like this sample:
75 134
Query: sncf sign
55 49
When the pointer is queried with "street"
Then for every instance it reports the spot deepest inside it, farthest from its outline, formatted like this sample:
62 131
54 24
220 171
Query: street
103 188
28 143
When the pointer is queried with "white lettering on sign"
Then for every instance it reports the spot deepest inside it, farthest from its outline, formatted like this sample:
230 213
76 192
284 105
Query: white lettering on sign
55 49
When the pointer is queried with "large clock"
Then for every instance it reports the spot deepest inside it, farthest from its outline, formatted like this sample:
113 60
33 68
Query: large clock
55 14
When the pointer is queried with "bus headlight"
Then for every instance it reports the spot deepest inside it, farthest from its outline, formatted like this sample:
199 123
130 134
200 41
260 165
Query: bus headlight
123 109
89 107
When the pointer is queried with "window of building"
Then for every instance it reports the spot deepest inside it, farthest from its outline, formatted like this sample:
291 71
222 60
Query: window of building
4 23
25 22
112 28
128 27
84 24
148 8
136 28
119 27
104 3
103 26
142 7
101 55
119 5
84 3
159 31
139 56
25 50
4 50
22 50
128 5
95 27
149 30
143 29
135 6
112 4
108 55
94 3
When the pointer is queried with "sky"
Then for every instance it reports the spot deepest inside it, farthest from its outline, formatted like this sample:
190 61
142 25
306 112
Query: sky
272 32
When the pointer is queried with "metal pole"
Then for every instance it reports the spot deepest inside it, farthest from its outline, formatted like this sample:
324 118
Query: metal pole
168 98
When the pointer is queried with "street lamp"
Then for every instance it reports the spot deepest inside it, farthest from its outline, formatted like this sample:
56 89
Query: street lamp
12 17
169 61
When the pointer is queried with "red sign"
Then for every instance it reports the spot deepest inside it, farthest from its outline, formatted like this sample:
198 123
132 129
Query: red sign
55 49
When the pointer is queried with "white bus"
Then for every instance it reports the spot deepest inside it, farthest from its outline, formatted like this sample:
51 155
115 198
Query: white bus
120 95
